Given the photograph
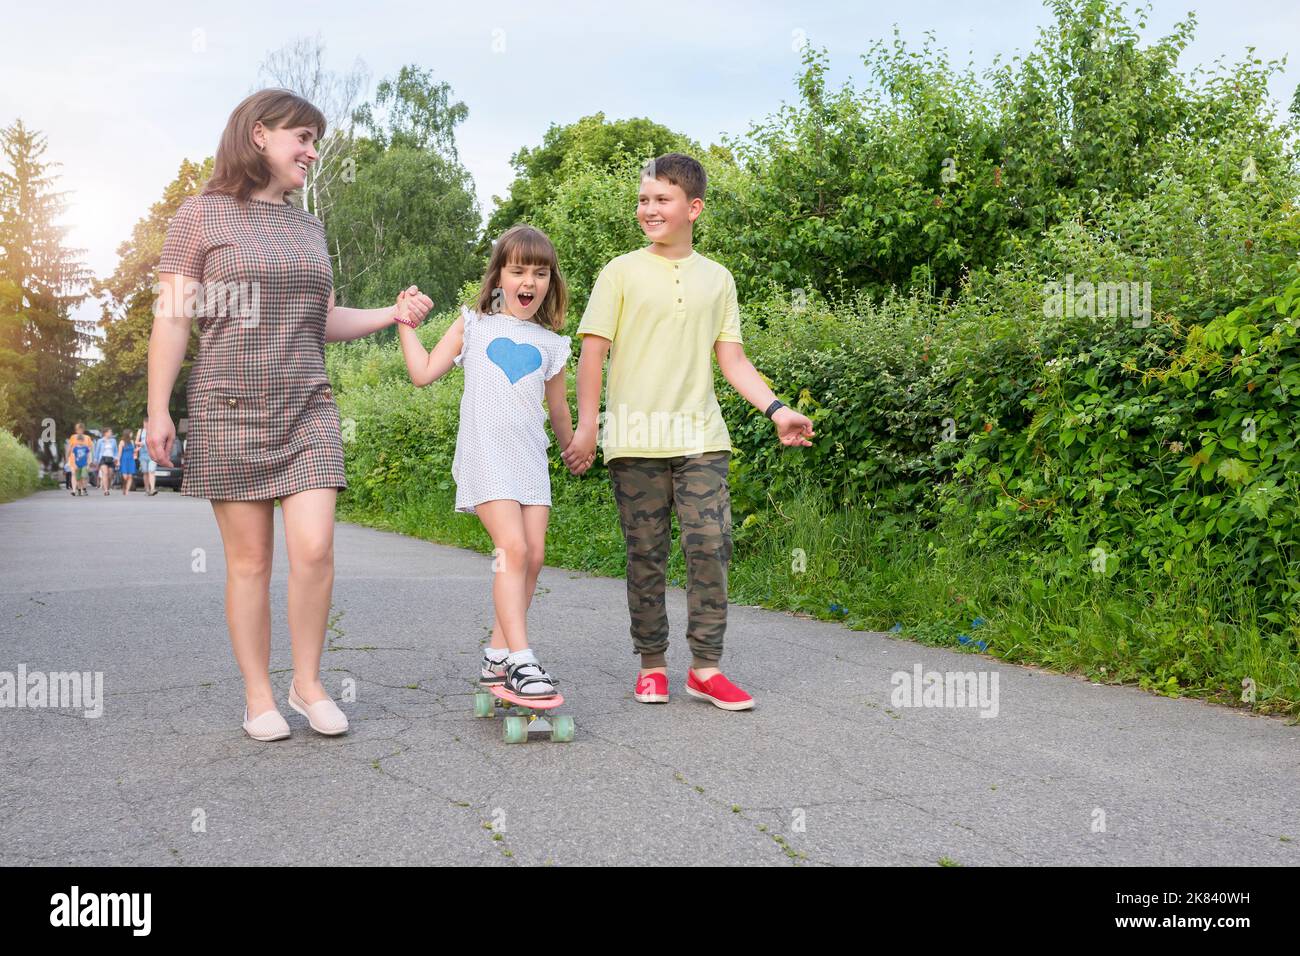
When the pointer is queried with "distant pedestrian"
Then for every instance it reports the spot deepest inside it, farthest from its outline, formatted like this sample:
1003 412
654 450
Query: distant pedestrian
126 460
147 468
106 458
80 448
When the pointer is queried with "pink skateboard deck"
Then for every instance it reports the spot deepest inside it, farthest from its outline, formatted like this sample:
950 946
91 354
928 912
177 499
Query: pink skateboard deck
538 714
532 703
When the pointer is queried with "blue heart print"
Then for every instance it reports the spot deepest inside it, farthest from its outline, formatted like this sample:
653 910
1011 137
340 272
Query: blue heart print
513 358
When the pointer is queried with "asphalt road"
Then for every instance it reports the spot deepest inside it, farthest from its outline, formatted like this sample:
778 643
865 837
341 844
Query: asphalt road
829 768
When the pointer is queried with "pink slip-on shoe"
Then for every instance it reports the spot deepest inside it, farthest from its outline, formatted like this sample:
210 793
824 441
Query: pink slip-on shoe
651 688
718 691
269 725
324 715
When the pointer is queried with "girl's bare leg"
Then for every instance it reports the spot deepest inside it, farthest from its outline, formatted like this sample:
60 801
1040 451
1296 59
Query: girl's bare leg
504 521
535 521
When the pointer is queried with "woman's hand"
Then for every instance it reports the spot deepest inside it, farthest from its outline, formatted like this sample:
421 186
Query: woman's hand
412 306
159 438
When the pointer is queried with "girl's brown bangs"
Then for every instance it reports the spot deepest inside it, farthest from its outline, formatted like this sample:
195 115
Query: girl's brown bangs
528 248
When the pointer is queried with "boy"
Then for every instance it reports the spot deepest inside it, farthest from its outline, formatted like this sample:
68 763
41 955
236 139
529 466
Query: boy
80 445
661 313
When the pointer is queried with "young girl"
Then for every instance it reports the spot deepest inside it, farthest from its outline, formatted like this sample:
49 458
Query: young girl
126 456
512 356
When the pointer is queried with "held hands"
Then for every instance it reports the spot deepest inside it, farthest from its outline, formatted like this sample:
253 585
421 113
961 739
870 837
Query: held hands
792 428
412 306
581 451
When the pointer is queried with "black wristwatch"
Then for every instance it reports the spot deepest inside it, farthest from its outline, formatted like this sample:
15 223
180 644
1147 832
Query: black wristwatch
771 409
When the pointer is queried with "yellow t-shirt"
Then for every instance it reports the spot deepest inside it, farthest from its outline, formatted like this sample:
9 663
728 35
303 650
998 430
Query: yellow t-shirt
662 317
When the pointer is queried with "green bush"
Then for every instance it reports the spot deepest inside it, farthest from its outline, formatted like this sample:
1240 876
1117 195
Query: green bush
1109 494
19 470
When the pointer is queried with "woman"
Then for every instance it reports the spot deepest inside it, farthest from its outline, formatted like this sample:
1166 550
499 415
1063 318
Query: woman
148 470
262 420
106 458
126 460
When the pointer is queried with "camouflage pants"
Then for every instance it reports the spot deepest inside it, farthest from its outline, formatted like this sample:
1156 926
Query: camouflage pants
647 491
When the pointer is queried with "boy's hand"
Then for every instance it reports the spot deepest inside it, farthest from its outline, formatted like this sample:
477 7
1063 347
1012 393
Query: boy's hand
582 466
791 427
412 306
581 452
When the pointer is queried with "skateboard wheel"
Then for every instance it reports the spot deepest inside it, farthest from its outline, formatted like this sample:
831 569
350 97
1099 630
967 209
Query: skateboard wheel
562 729
483 705
516 730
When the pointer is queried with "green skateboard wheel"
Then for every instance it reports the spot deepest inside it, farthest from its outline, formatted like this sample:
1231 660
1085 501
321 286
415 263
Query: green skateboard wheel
562 729
483 705
516 730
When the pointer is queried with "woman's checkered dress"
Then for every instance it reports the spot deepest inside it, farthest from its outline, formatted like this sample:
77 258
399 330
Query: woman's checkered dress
262 418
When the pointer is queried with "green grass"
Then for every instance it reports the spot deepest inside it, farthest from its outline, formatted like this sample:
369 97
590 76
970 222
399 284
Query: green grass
1178 635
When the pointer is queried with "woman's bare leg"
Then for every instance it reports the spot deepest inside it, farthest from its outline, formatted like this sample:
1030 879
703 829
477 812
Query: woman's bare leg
247 537
309 538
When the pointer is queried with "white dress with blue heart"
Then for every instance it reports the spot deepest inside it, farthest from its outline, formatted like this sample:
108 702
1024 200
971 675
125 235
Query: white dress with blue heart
502 441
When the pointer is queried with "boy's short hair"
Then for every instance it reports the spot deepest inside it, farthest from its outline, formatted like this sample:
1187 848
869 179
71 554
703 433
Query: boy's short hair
680 170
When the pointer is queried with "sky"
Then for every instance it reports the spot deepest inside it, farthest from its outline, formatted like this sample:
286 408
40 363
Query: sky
124 92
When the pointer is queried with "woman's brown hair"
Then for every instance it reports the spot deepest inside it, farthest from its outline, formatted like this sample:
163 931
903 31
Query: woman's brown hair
526 246
240 169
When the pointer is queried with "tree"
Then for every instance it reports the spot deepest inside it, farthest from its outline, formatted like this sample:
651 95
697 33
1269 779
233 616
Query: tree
593 142
409 218
300 66
414 112
932 173
40 283
114 390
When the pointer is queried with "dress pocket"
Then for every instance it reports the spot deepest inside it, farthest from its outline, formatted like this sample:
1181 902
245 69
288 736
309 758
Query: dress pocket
319 423
238 426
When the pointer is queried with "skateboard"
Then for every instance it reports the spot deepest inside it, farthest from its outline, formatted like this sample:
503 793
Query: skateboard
536 716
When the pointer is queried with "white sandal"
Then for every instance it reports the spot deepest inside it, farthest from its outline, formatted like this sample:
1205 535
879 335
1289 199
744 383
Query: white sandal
324 715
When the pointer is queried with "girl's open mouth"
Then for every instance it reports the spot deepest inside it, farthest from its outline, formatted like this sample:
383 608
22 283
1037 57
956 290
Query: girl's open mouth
525 298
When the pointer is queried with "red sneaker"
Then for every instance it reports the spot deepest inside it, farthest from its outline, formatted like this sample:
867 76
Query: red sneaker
651 688
718 691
